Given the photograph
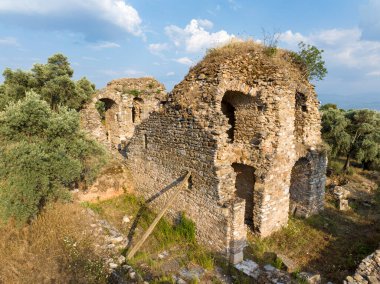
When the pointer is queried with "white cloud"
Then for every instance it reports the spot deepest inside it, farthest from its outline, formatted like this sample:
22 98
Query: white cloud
184 60
156 48
291 38
342 47
170 74
9 41
105 44
375 73
195 37
116 12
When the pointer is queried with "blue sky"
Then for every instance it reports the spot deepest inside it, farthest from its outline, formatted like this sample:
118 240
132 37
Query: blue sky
109 39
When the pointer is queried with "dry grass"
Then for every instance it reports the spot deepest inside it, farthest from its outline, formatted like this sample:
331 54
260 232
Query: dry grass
54 248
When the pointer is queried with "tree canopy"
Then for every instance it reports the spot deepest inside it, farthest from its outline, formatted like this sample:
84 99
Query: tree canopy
309 58
42 152
354 134
53 81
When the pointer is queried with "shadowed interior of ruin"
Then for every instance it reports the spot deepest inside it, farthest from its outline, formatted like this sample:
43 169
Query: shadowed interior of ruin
109 116
229 111
245 185
299 186
137 110
300 109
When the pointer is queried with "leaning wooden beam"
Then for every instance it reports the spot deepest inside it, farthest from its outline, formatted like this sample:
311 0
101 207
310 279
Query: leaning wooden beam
137 246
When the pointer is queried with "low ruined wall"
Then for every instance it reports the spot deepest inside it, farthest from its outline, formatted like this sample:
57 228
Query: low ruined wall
367 272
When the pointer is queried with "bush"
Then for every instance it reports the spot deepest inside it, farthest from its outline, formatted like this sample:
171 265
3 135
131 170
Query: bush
42 152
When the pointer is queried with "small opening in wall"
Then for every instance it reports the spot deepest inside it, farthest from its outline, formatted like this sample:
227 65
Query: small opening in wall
145 141
133 114
190 183
262 108
137 109
229 111
301 102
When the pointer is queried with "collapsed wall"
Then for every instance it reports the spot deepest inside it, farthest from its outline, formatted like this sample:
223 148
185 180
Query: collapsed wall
247 127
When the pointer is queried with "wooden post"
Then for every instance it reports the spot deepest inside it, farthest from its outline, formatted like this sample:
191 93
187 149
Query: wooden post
137 246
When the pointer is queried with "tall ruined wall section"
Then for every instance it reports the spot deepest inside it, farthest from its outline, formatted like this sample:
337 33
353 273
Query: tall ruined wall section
239 121
163 148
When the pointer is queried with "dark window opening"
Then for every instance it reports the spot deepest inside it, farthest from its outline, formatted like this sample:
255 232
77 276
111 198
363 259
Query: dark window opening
245 185
300 112
229 111
190 183
133 114
145 141
301 102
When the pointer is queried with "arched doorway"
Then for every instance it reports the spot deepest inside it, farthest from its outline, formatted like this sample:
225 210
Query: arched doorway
108 110
137 105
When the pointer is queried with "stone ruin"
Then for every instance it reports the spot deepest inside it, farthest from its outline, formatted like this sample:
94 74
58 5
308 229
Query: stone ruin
126 102
247 127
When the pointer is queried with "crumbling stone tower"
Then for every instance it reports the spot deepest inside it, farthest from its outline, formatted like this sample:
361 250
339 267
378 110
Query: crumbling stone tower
247 127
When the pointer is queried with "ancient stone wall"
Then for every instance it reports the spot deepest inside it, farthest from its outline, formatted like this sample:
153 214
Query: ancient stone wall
127 102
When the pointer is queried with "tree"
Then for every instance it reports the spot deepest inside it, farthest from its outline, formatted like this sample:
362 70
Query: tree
42 152
309 58
52 80
354 134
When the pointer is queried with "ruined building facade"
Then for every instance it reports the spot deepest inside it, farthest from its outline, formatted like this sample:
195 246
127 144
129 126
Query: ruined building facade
247 127
114 111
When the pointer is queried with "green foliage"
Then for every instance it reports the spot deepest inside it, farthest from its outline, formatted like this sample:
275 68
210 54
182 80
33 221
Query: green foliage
186 228
52 80
134 92
41 153
353 134
309 58
101 108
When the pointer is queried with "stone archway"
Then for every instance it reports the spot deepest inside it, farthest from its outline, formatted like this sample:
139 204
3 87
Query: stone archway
137 109
109 114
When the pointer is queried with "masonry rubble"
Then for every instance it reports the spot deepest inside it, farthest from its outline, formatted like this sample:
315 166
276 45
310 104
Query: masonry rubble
247 127
368 271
